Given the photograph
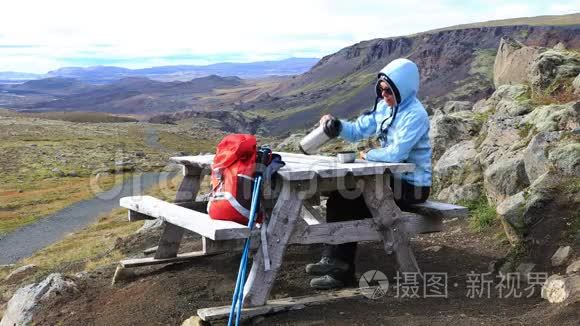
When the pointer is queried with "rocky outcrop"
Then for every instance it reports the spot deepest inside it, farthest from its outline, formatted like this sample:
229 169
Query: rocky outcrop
512 62
555 117
448 130
553 69
23 304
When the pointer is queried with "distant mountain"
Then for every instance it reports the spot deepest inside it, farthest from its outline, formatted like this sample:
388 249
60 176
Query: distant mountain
127 95
106 74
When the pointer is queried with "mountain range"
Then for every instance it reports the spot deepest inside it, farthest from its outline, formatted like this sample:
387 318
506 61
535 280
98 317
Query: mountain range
104 74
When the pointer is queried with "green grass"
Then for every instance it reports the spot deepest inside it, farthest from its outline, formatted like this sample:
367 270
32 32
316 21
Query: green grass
481 215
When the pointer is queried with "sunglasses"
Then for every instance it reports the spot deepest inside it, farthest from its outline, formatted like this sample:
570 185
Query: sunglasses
387 90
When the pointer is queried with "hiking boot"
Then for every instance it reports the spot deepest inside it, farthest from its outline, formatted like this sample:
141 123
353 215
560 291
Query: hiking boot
326 282
327 265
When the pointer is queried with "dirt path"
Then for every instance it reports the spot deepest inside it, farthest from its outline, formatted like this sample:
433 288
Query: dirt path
25 241
168 295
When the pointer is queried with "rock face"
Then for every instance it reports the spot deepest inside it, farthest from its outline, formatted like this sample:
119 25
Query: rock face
21 307
512 62
536 160
448 130
555 117
551 69
567 159
458 166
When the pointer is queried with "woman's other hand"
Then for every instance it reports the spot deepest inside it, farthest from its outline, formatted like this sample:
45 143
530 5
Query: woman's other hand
325 118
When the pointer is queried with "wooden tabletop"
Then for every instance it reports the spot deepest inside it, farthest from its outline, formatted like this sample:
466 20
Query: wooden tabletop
307 167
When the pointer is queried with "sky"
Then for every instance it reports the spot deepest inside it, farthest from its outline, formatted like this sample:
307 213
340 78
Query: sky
39 36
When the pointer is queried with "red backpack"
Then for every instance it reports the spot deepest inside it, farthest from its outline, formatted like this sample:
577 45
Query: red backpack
232 178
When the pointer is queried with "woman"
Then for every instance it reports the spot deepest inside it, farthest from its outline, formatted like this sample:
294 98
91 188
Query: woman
401 124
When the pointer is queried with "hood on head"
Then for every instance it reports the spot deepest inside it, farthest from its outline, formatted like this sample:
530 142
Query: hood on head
404 73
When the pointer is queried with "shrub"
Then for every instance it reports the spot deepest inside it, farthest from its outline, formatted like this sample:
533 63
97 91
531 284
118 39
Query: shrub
481 214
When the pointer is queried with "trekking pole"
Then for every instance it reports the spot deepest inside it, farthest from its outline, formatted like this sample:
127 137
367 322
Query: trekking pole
264 155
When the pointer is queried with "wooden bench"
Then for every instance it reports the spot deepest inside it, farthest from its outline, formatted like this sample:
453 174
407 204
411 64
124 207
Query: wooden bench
425 218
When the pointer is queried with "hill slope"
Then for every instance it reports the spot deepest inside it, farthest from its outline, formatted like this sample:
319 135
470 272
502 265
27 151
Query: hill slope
454 65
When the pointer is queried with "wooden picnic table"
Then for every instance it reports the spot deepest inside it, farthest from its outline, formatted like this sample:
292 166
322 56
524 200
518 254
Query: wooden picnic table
301 179
292 220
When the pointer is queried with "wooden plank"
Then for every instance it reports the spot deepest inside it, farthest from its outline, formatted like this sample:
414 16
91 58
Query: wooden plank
439 209
172 234
280 227
169 242
279 305
151 250
148 261
419 224
136 216
304 167
336 232
387 216
188 219
311 215
360 230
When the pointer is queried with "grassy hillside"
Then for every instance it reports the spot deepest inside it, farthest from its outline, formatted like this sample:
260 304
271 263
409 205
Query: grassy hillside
554 20
49 164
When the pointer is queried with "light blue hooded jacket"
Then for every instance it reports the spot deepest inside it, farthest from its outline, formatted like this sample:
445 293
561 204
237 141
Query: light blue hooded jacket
407 137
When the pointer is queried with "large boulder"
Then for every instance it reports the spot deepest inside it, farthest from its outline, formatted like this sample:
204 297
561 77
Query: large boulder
536 160
510 108
455 194
553 69
519 92
458 166
24 303
505 178
499 139
566 159
512 62
448 130
512 210
555 117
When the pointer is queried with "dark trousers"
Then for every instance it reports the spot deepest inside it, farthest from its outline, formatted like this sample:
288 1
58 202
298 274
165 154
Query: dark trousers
339 209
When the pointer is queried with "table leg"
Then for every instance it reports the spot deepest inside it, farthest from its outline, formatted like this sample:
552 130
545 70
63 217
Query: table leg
387 216
172 234
278 232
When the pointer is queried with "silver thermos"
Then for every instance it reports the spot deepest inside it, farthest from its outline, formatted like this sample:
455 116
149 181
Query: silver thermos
319 136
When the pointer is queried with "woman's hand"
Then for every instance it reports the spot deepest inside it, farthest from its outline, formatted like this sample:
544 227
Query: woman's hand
363 155
325 118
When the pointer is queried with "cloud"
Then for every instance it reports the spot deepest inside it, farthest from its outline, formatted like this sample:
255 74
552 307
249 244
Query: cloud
138 33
